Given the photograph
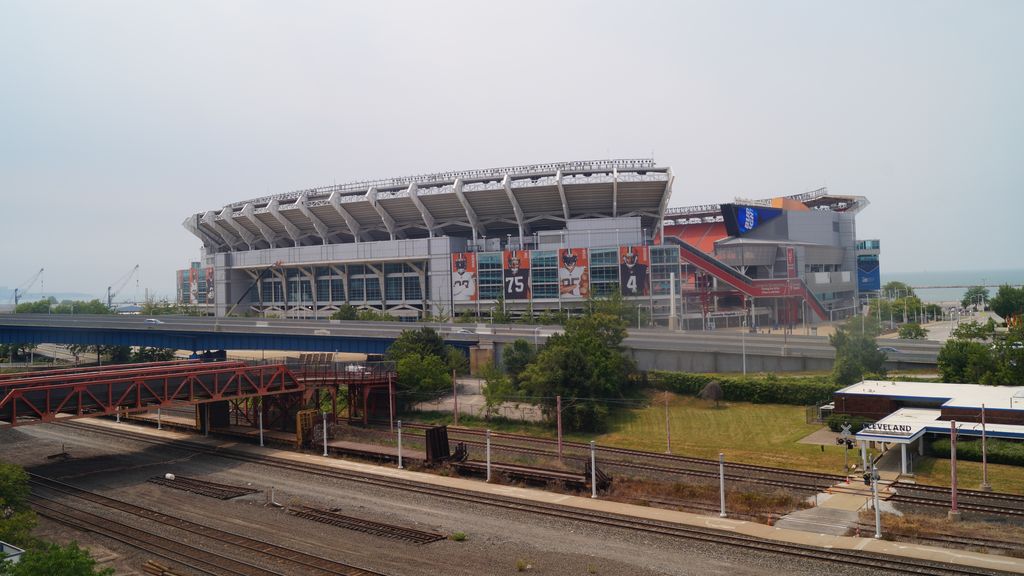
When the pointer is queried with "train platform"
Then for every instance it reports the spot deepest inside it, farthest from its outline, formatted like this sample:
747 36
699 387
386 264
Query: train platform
740 527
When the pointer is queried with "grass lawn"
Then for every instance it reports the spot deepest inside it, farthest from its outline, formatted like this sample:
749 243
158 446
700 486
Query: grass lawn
1003 478
764 434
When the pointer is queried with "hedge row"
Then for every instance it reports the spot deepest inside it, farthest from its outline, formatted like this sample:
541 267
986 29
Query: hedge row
999 451
835 422
770 389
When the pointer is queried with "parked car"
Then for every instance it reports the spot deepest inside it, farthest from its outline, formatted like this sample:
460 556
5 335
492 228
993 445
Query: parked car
887 349
153 321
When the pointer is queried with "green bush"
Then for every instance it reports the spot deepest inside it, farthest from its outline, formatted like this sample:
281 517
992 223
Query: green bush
768 389
835 422
999 451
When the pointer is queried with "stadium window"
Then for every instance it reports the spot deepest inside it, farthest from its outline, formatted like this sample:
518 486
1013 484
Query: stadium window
412 288
393 285
337 293
489 275
372 288
356 289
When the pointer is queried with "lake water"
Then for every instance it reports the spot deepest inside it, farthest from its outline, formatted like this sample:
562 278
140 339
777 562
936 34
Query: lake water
991 278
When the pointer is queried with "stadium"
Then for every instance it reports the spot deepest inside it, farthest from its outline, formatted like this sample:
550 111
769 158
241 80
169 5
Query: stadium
527 240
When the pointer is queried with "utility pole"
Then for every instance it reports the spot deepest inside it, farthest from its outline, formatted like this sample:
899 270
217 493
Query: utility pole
668 429
985 486
455 395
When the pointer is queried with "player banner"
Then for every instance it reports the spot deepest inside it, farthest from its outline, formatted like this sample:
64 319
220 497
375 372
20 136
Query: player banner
211 292
573 273
516 265
193 286
464 276
634 263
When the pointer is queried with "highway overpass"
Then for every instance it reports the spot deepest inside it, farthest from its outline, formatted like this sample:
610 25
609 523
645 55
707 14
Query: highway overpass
692 351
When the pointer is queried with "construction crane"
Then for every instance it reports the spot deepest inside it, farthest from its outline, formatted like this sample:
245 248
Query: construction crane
120 283
24 288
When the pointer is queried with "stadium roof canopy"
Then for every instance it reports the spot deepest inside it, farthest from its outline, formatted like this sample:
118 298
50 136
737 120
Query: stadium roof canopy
516 200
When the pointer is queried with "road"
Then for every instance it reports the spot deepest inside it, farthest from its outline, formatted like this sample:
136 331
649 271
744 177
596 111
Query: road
908 351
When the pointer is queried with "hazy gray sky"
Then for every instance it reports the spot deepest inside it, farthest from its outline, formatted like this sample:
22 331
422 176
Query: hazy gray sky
120 118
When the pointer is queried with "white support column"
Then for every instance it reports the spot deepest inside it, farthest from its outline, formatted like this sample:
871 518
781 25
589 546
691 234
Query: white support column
615 192
478 227
520 219
289 227
903 458
561 195
864 454
353 226
318 224
428 218
229 238
389 222
665 195
250 212
228 215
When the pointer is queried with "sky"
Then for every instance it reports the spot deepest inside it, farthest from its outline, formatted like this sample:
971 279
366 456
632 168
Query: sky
119 119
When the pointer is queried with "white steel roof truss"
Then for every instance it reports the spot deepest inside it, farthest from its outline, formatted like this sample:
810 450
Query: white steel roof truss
249 212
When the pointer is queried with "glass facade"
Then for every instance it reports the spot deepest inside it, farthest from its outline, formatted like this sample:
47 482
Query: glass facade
544 274
489 275
604 271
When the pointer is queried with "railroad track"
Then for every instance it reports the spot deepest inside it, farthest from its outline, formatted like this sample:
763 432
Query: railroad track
194 558
851 558
365 526
657 469
953 539
309 563
792 479
203 487
1010 500
967 506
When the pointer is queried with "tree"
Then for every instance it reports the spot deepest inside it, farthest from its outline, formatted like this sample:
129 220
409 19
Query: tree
345 312
423 377
860 324
973 295
712 391
974 330
425 341
16 518
587 365
895 286
965 361
146 354
856 355
371 315
498 388
67 560
37 307
913 331
13 352
1008 301
516 357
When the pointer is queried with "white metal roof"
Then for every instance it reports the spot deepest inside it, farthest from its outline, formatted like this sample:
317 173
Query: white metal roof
951 395
517 200
908 424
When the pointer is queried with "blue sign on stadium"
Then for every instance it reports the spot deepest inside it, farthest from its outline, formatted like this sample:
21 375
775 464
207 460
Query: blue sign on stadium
868 276
742 219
